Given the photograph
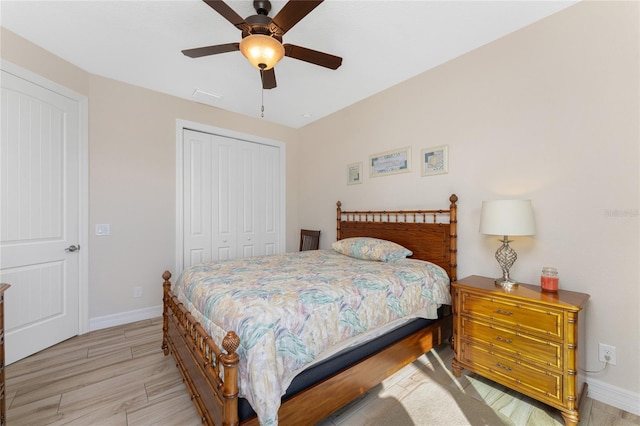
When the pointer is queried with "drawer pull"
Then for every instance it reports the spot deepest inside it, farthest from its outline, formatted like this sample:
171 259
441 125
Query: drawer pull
503 312
502 339
504 367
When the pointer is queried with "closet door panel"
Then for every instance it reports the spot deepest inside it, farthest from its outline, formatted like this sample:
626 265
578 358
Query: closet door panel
224 227
269 215
248 202
197 197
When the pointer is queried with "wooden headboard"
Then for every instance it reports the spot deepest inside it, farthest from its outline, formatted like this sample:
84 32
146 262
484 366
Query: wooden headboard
430 234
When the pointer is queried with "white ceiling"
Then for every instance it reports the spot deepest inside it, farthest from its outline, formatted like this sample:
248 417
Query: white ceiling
382 43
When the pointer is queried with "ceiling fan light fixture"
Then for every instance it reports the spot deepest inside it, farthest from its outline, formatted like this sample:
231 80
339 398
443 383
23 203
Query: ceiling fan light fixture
262 51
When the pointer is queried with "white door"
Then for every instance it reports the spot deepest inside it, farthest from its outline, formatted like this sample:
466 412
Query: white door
269 192
39 216
197 201
249 204
224 232
209 204
231 198
258 199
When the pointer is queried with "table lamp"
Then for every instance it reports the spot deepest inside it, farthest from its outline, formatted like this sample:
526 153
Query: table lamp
507 218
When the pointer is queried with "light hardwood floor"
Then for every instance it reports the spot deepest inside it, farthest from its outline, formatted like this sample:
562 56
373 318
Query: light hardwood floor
119 376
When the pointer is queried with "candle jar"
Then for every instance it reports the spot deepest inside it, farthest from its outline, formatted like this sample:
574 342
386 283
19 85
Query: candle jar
549 279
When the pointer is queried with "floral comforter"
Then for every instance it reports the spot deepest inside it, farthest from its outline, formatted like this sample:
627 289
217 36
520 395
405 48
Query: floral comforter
288 309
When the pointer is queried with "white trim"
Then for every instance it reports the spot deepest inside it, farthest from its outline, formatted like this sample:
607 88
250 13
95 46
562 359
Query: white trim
83 219
614 396
83 235
179 243
125 317
181 125
41 81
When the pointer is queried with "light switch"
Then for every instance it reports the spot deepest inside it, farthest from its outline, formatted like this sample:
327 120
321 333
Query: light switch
103 229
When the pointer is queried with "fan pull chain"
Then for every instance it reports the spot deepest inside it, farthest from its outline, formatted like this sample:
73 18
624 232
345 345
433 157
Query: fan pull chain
262 93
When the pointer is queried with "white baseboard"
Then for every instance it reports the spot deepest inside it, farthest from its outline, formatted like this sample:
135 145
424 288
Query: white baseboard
614 396
106 321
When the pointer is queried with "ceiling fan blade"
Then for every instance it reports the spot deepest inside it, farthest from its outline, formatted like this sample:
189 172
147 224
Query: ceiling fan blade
290 14
199 52
312 56
229 14
268 79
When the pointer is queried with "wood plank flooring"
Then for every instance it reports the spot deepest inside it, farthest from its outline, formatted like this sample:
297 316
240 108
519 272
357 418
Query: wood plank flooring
119 376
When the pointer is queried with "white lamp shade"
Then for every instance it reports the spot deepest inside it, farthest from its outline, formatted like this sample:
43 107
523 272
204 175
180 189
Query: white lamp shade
507 217
262 51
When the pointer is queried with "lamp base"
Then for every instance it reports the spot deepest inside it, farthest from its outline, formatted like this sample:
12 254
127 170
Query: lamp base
506 283
506 257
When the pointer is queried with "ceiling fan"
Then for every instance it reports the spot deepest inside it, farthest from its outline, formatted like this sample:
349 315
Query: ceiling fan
261 40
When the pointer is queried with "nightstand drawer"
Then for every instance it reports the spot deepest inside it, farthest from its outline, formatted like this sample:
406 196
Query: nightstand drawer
530 317
526 347
539 383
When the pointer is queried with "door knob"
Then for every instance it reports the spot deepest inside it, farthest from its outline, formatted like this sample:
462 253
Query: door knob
72 248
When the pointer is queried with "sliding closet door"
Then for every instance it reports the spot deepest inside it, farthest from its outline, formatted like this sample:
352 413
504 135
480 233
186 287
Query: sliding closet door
231 198
258 199
223 195
249 200
197 206
269 219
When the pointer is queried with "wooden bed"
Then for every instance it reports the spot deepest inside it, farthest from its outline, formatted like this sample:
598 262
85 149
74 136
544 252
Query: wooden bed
209 368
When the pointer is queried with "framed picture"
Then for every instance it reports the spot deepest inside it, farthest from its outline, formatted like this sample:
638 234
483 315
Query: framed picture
390 162
435 161
354 173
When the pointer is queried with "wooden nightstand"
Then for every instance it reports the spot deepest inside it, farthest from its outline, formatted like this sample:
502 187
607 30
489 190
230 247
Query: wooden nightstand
524 339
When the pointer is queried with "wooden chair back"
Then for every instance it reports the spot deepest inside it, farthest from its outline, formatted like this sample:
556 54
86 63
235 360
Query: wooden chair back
309 240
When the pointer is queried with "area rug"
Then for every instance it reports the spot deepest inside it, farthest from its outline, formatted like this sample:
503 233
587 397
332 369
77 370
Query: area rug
431 404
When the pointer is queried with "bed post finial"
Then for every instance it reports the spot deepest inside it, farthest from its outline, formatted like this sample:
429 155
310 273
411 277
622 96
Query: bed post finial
230 361
453 238
231 342
338 219
166 288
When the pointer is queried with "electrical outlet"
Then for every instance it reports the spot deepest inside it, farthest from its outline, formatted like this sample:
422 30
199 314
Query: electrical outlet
607 353
137 292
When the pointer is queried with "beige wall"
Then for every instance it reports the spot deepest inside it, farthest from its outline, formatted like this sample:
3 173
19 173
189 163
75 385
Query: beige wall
549 113
132 186
40 61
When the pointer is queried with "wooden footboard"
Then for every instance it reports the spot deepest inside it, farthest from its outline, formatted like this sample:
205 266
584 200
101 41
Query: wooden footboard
200 361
